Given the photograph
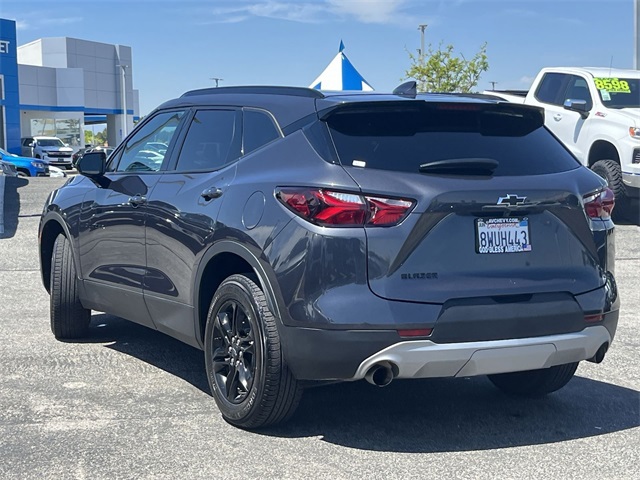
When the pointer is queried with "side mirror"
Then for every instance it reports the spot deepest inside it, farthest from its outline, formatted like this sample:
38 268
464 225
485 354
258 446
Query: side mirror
576 105
92 164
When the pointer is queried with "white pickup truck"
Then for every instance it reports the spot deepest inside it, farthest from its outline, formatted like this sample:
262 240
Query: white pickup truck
595 112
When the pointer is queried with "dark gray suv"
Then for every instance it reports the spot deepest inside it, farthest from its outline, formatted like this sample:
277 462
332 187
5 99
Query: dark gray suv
300 237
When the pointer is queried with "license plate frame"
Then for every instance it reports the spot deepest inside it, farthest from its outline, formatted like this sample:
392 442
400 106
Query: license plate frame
502 235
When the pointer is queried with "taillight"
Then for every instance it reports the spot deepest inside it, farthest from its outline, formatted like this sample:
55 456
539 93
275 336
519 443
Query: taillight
600 205
330 208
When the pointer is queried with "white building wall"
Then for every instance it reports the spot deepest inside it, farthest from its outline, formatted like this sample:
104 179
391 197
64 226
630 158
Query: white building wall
30 54
70 87
69 72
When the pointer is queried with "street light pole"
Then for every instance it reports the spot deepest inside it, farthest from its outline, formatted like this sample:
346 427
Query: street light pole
216 79
422 28
123 93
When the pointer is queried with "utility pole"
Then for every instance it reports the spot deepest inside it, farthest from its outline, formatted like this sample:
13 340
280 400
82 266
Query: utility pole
493 85
216 79
422 28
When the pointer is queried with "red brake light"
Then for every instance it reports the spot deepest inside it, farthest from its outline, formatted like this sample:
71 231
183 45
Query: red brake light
330 208
415 332
600 205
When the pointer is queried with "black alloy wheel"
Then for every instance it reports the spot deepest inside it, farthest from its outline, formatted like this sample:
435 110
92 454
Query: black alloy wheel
248 376
234 351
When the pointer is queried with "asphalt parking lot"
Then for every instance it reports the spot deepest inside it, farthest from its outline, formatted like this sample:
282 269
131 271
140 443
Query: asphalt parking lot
129 402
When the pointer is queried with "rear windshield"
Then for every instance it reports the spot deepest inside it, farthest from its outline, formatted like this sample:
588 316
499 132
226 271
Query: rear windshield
402 139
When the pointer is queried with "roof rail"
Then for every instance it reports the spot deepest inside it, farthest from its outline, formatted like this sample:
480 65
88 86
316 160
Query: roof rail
257 90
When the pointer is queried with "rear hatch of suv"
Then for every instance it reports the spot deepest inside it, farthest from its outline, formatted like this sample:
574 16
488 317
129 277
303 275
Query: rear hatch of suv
499 203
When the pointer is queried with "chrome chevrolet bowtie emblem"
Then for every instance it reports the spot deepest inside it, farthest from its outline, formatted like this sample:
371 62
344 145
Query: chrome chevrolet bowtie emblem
511 199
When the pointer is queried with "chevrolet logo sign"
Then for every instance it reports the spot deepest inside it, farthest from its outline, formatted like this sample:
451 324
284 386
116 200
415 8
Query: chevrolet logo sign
512 200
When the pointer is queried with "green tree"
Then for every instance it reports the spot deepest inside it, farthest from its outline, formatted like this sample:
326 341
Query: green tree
443 71
88 137
100 138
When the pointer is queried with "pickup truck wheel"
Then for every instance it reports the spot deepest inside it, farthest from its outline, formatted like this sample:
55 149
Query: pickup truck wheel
69 319
535 383
248 377
611 172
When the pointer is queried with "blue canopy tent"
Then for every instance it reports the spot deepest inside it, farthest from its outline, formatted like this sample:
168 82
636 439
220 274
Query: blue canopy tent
340 74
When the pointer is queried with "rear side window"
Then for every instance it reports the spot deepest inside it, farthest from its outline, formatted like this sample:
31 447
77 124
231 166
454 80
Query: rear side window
258 130
403 139
213 140
551 88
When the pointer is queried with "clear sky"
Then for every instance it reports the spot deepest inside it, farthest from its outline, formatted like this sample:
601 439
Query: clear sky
179 45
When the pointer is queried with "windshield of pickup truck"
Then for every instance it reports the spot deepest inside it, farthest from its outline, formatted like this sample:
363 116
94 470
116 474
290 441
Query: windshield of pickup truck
50 142
619 92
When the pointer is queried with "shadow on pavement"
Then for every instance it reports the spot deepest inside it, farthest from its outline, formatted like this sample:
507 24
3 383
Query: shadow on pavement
12 204
631 214
434 415
150 346
452 415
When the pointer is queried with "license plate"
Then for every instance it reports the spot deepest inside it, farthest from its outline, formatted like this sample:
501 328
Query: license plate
502 235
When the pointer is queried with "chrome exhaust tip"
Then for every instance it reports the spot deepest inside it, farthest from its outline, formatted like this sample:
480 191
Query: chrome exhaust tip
381 374
599 356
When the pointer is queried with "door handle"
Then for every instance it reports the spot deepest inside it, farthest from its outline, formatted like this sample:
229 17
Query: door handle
557 117
211 193
137 200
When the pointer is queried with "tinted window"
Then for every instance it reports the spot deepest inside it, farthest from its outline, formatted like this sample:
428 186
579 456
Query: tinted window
402 140
578 90
551 88
140 153
258 130
213 140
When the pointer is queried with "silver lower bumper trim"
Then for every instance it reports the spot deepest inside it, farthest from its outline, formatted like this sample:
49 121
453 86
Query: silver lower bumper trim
426 359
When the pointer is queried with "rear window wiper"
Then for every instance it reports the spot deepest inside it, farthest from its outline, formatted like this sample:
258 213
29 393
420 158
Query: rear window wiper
461 166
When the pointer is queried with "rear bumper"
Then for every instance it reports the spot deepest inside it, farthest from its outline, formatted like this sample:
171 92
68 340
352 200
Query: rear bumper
426 359
318 354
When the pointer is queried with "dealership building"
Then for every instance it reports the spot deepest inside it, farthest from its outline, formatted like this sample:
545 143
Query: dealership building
57 86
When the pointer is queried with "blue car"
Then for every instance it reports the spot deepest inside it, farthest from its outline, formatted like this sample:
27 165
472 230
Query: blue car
27 167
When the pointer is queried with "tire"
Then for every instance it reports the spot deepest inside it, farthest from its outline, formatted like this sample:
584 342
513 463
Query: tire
258 390
611 172
69 319
22 173
535 383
